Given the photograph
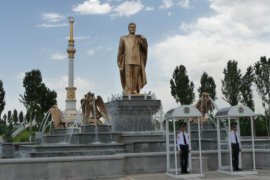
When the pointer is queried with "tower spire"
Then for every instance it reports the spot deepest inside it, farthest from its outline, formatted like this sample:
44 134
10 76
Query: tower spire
71 50
71 112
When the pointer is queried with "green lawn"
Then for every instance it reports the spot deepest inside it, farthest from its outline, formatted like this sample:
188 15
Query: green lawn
22 136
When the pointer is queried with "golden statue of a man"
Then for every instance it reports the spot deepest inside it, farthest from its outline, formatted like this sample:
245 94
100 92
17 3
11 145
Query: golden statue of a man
131 60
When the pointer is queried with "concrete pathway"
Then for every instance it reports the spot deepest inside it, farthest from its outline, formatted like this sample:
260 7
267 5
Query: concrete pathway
262 175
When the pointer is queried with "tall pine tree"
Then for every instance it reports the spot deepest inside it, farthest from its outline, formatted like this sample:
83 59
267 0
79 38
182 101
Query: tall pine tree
5 118
232 83
9 118
246 88
2 98
207 85
15 116
181 87
262 81
21 117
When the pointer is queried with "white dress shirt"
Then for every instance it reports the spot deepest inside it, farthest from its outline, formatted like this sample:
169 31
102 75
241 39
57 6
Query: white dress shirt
232 137
180 139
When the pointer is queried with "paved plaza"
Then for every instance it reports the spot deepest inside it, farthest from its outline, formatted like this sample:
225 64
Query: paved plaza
262 175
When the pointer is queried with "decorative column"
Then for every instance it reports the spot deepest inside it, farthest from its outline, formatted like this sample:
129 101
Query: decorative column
70 112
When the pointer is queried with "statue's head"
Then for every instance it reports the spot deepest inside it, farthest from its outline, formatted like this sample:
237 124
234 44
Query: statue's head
132 28
90 96
54 106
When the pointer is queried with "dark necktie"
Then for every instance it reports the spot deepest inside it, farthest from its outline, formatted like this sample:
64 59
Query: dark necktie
185 141
236 140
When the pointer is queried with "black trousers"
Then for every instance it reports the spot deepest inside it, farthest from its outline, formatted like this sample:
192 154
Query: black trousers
235 156
184 157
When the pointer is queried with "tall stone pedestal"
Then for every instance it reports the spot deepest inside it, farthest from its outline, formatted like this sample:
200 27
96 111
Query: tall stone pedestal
70 116
133 113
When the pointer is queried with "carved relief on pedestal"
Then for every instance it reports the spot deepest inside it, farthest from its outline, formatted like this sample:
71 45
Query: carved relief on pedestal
71 93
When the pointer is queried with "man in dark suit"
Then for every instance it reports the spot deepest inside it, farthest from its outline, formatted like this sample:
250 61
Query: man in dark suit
131 60
184 147
235 146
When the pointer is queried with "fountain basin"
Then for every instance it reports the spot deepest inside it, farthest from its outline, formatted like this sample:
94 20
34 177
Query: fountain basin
57 150
82 138
91 128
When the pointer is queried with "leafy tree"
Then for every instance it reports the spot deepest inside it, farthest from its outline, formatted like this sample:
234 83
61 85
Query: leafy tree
207 85
232 83
2 127
181 87
261 126
37 98
245 89
262 81
2 98
48 98
6 129
21 117
15 116
8 133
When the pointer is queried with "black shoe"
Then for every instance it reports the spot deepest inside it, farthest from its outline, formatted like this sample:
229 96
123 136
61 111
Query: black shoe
237 169
186 172
183 172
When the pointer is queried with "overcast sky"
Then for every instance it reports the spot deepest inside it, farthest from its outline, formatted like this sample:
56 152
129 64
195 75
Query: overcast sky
202 35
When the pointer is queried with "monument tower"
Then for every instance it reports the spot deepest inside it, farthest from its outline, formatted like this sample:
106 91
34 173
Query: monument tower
70 112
